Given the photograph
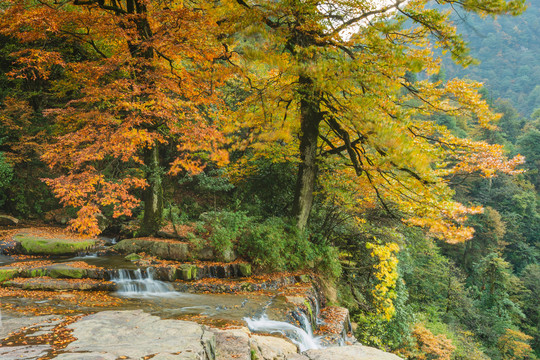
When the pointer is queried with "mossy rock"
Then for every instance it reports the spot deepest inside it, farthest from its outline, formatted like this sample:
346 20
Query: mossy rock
244 269
32 273
66 272
133 257
59 246
186 272
7 274
163 249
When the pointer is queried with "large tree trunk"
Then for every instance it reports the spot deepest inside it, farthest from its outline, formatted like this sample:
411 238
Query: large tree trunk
310 119
153 194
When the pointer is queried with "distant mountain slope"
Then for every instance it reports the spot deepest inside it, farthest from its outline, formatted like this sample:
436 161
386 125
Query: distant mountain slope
509 51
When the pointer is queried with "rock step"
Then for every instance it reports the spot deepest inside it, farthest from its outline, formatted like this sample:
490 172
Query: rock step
61 270
198 271
232 286
78 270
137 335
51 284
37 242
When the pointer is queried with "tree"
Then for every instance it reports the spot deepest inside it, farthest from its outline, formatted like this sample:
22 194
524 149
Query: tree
335 75
148 90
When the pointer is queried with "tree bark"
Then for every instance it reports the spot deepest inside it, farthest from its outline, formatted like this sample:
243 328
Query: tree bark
310 119
153 194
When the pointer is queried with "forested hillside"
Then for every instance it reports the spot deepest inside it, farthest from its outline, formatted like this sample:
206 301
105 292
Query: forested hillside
262 129
507 48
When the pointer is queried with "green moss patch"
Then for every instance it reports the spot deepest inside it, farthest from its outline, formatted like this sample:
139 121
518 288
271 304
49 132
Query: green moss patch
66 272
7 274
61 246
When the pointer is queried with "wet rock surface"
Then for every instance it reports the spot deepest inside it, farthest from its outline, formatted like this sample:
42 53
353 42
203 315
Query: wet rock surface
51 284
357 352
138 335
170 250
42 243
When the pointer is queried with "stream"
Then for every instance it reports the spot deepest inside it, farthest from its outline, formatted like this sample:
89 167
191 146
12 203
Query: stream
138 289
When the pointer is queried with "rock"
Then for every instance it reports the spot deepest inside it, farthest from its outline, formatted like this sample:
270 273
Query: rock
206 254
32 273
352 352
86 356
26 352
65 271
10 325
244 269
33 244
133 257
178 251
271 348
103 222
228 255
6 220
337 325
8 273
136 335
186 272
44 283
60 216
297 357
232 344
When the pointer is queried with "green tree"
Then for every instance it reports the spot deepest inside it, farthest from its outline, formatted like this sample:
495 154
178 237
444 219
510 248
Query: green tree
330 74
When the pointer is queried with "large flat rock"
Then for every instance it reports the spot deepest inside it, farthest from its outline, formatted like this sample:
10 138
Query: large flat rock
43 243
352 352
51 284
136 334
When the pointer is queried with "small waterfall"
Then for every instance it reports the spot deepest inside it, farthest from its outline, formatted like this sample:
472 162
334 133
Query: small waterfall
133 283
303 339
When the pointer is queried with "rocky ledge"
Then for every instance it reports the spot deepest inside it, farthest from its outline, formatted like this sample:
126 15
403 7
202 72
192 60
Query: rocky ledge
138 335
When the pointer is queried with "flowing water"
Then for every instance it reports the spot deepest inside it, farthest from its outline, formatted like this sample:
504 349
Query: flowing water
141 283
140 290
303 339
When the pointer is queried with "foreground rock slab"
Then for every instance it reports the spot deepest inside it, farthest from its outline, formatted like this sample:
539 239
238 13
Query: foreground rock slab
136 334
357 352
43 243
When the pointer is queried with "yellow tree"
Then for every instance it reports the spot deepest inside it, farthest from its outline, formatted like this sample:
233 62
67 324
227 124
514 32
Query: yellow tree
331 78
147 83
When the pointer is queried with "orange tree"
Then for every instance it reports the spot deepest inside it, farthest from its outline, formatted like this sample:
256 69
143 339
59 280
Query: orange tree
148 84
332 86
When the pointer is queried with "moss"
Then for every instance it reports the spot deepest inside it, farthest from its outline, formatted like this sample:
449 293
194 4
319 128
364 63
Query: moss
32 273
7 274
186 272
310 311
133 257
245 269
37 245
67 272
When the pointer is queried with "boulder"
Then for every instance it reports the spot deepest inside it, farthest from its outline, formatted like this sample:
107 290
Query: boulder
232 344
244 269
170 250
352 352
186 272
271 348
59 216
8 273
137 335
34 244
65 271
6 220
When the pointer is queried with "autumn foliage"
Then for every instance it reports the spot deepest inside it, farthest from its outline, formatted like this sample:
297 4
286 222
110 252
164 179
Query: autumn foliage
146 80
